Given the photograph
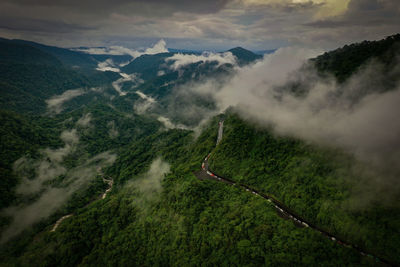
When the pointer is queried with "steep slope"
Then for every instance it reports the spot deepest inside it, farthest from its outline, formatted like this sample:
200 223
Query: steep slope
31 73
154 217
71 59
167 86
147 66
313 181
21 53
185 222
343 62
244 56
25 87
54 153
19 136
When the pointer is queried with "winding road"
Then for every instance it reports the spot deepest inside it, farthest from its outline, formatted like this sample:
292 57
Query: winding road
110 183
283 210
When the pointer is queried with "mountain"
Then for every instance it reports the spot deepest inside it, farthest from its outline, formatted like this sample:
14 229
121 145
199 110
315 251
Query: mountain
343 62
31 73
244 56
149 65
174 50
21 53
146 65
71 59
19 136
95 176
307 178
117 59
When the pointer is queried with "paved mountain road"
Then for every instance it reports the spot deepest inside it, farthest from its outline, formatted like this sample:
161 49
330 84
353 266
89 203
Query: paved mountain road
283 210
110 183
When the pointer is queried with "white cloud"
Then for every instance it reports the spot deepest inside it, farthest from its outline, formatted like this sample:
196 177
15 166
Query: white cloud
107 65
37 177
145 97
151 181
145 105
53 198
159 47
47 169
54 104
112 132
170 125
84 120
181 60
125 78
353 116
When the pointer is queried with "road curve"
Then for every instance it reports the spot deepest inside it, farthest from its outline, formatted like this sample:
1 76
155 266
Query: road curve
110 183
59 221
282 209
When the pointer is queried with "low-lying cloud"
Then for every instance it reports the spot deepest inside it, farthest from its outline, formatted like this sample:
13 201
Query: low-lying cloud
55 103
107 65
148 185
356 118
117 85
147 103
84 121
113 131
159 47
46 169
150 182
168 124
50 182
181 60
359 116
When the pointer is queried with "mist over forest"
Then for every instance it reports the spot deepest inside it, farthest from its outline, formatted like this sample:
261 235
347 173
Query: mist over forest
237 132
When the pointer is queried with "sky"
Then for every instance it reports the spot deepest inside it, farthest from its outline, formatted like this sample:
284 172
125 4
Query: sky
200 25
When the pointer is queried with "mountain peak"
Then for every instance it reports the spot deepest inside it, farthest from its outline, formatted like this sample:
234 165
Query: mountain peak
239 49
244 56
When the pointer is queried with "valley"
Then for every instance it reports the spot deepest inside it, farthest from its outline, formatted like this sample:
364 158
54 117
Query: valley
163 157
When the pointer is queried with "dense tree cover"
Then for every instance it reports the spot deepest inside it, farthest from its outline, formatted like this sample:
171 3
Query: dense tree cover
30 73
147 65
41 81
190 222
20 53
187 221
343 62
70 59
19 136
24 87
117 59
315 182
107 129
98 136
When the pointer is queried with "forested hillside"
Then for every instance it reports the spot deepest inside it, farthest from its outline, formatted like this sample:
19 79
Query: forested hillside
314 181
187 222
99 168
343 62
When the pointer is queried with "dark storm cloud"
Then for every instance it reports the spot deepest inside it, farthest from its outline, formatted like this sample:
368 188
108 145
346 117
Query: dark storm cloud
365 13
41 20
206 24
39 25
203 6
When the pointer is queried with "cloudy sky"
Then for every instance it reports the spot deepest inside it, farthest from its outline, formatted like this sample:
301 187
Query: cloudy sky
203 24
